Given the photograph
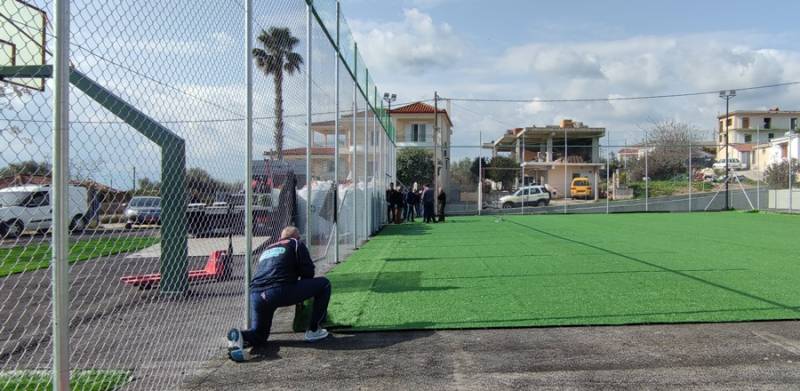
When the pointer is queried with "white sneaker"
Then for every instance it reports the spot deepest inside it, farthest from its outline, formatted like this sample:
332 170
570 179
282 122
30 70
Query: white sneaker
313 336
239 355
235 339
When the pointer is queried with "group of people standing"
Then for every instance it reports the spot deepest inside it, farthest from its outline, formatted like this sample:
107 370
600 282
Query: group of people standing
404 204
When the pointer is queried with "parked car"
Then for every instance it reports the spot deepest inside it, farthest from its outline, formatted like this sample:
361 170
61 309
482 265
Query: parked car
529 195
28 207
143 210
580 187
734 164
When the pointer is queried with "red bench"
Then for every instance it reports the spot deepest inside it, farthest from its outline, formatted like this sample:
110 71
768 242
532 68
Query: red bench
214 270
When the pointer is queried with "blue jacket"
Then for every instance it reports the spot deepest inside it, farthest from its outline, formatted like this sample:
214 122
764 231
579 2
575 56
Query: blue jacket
282 263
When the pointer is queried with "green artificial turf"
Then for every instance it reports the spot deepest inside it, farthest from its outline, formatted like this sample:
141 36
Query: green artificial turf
32 257
552 270
86 380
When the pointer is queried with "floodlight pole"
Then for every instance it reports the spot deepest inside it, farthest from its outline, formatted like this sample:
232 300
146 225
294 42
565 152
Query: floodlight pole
60 200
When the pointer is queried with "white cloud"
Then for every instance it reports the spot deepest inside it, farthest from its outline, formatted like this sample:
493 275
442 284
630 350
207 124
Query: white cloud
636 66
412 46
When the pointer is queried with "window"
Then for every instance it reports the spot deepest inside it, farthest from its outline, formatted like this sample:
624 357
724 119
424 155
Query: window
748 138
793 124
729 122
535 191
40 198
721 126
767 123
746 122
416 133
771 136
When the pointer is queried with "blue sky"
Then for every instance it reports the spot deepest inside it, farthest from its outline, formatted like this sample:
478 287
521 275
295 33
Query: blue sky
575 49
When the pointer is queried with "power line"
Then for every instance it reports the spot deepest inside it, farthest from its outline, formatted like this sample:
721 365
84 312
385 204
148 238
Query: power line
629 98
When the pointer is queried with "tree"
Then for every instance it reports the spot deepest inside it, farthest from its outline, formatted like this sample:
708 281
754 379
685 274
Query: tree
461 174
475 168
30 167
504 170
414 165
777 174
147 186
670 141
276 58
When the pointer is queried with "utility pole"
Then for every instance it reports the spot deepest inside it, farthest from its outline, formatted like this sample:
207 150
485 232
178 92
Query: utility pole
435 152
134 179
727 95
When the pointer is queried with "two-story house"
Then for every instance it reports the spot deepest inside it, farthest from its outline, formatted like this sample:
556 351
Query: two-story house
414 126
753 133
555 154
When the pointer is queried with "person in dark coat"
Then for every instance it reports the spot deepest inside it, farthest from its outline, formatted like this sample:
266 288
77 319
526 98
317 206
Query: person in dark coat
284 276
411 203
442 198
403 204
389 206
397 203
427 203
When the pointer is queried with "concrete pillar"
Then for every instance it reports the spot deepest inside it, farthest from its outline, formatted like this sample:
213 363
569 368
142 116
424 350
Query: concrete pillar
550 148
595 150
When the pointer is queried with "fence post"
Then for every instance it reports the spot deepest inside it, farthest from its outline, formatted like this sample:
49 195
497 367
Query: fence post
309 136
564 162
60 199
336 138
248 167
608 173
367 216
690 176
353 173
480 172
646 177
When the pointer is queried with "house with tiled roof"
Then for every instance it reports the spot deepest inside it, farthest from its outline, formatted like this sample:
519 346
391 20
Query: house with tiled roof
414 124
554 154
758 138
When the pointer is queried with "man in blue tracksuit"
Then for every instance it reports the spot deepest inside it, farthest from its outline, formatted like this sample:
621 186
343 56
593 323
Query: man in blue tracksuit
284 276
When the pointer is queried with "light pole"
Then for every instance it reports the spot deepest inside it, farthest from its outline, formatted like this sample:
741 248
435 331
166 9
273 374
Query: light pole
389 98
727 95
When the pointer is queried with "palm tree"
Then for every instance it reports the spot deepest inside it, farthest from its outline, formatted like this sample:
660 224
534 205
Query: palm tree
276 58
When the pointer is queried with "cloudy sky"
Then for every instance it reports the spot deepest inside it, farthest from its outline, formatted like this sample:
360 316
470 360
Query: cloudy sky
182 63
580 49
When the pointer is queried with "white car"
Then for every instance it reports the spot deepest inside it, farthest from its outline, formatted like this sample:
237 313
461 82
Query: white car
734 164
24 208
529 195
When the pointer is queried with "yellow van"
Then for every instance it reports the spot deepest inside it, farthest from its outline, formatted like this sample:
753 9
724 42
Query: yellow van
580 188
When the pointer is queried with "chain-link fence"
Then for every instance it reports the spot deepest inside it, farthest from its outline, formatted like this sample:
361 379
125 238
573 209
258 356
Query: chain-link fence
188 134
573 168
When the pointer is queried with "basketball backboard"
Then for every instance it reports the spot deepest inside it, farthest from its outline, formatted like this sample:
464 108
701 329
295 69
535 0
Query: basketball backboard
22 39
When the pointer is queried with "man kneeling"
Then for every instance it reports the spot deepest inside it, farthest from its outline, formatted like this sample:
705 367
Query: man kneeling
275 284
